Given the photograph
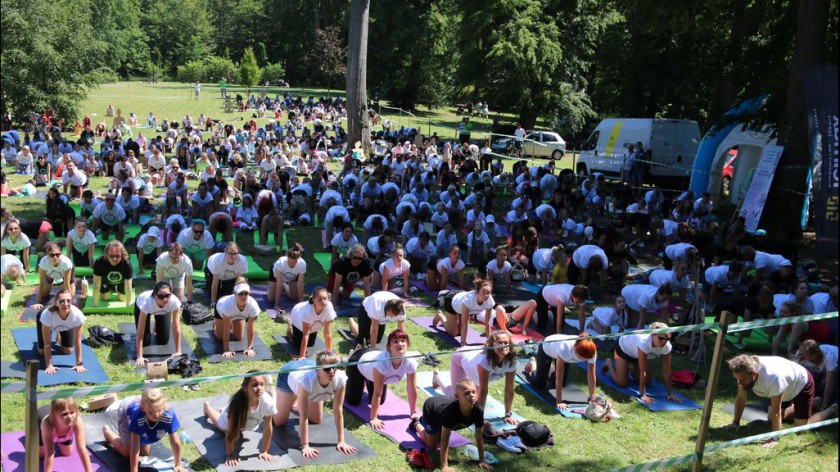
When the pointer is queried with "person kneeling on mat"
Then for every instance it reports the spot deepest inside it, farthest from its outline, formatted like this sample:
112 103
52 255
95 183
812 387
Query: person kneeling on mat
66 321
176 268
563 349
112 272
286 276
149 248
310 388
142 421
253 404
379 368
347 271
222 271
377 309
232 314
605 317
54 269
788 385
60 428
166 309
497 360
459 306
307 318
633 352
80 244
442 415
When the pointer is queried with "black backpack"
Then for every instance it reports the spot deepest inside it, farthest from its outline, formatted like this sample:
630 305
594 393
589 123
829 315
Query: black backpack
101 336
535 435
196 313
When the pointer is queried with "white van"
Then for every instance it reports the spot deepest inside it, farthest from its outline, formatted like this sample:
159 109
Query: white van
672 142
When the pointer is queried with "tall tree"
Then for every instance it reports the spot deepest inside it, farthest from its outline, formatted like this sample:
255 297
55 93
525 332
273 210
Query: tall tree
181 30
358 126
249 71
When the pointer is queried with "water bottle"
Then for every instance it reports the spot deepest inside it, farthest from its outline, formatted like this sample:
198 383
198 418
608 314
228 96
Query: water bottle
84 287
185 437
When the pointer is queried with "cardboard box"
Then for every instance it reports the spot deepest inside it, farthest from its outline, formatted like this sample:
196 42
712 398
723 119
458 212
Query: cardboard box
157 370
101 401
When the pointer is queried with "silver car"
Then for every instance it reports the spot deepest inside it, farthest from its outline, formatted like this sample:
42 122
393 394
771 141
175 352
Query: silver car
545 144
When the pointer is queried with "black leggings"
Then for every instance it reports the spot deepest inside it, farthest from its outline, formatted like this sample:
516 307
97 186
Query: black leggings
297 338
364 329
225 286
162 324
540 377
573 273
65 338
355 380
543 310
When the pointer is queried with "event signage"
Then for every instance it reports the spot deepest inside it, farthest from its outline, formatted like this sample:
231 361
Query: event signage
760 186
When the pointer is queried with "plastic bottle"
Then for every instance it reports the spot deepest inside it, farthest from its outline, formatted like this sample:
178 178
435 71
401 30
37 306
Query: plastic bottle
185 437
84 287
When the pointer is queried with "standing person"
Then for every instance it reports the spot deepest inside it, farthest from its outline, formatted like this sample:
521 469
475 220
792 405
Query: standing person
142 421
307 318
67 321
310 388
376 310
54 269
347 271
112 272
222 271
223 87
166 309
63 426
234 317
287 276
175 268
80 244
563 349
196 90
788 385
253 404
633 353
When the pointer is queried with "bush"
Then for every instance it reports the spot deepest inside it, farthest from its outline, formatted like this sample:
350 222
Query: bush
273 72
218 67
192 71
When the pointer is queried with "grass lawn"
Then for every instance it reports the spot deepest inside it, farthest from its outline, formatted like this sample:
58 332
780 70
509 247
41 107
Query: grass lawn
639 436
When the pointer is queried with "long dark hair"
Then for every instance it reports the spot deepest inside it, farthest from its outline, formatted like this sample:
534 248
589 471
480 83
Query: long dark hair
238 409
510 357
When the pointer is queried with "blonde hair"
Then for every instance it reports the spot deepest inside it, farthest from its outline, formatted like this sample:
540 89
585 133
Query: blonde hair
119 246
153 396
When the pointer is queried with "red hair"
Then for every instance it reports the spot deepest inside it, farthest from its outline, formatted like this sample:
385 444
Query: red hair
585 348
397 335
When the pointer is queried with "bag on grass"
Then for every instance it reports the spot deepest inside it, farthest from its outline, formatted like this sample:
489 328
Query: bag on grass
598 410
518 273
101 336
683 378
196 313
534 435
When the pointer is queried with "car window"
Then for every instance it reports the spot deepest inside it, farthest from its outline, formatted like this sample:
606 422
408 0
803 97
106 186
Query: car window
592 142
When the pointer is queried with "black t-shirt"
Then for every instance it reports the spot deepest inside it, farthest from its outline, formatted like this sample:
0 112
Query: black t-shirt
442 411
30 228
350 274
112 275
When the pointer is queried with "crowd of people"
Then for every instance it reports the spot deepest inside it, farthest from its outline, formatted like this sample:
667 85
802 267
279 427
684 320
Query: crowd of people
425 214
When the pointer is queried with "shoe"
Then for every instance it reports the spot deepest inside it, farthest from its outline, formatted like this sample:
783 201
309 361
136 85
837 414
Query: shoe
282 317
419 277
419 458
413 290
430 360
508 444
428 463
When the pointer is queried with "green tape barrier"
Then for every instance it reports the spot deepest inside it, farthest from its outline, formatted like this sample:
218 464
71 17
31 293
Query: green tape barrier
654 465
735 327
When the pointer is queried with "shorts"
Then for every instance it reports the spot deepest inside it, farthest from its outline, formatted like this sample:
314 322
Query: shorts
108 288
432 264
619 353
431 429
803 401
45 227
283 377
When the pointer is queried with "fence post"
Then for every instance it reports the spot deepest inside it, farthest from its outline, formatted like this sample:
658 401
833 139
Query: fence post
32 428
711 388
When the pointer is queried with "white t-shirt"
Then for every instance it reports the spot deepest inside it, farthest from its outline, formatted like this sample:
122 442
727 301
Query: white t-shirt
494 269
266 408
542 259
22 243
642 296
391 374
110 217
546 208
290 274
81 244
173 271
341 245
8 261
822 303
607 316
369 221
51 320
440 219
779 299
559 293
446 263
469 300
308 380
304 312
669 227
196 198
78 178
678 250
148 244
393 270
473 239
330 194
219 266
582 255
470 360
562 346
829 363
768 262
190 244
632 343
132 204
147 303
56 272
413 247
226 306
268 165
718 275
444 241
779 376
375 306
334 211
660 277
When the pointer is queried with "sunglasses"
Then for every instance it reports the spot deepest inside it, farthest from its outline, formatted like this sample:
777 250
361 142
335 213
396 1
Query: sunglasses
329 369
232 253
356 258
198 232
664 338
55 254
63 301
163 296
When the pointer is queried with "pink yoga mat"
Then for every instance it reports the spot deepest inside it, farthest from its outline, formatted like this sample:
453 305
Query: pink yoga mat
394 412
13 456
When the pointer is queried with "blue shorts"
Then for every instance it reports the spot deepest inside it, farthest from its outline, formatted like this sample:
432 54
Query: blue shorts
283 378
430 429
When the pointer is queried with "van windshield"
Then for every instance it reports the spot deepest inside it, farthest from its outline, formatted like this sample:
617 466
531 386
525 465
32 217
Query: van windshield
592 142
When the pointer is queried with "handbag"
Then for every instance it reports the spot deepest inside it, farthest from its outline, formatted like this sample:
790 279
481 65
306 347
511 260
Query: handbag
598 410
196 313
518 273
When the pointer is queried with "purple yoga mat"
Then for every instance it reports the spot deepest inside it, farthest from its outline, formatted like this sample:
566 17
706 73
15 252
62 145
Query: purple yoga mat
260 294
13 456
425 322
394 412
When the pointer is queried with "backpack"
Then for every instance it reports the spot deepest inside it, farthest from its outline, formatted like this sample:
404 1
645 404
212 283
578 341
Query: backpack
101 336
196 313
683 378
183 366
534 435
518 273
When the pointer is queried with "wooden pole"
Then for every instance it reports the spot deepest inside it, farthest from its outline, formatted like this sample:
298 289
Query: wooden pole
711 388
32 428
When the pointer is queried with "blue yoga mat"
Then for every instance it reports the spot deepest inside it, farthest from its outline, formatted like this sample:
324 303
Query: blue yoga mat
26 340
571 392
532 287
655 390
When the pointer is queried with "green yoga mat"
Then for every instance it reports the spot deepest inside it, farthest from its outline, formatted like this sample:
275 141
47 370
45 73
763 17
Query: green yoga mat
88 271
754 340
4 302
255 272
270 239
112 306
131 231
325 259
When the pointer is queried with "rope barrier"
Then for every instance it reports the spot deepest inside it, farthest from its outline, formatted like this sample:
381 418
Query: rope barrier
14 387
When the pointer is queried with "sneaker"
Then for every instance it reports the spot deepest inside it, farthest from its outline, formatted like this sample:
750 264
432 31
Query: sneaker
430 360
508 444
419 277
413 290
428 463
419 458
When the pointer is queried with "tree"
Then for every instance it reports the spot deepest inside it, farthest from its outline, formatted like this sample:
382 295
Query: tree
261 54
181 30
273 73
192 71
218 67
358 126
328 59
249 71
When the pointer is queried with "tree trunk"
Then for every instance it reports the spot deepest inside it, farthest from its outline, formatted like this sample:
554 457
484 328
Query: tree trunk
783 211
315 70
528 117
358 127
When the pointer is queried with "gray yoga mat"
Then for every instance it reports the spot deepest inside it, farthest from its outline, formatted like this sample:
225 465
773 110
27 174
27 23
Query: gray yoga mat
154 352
210 442
322 437
213 347
572 394
160 456
752 411
292 351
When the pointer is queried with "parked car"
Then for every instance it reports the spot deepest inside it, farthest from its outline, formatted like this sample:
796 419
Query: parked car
544 144
728 172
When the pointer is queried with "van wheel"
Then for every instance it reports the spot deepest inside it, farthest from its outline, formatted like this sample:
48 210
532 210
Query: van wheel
557 155
726 186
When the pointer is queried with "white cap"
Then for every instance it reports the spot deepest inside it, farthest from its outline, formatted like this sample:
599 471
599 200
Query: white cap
490 219
588 232
239 288
154 232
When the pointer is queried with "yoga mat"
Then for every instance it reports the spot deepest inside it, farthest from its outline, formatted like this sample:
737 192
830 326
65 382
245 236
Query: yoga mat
213 348
516 336
33 278
346 334
494 411
29 313
26 340
323 437
324 259
14 448
533 288
4 302
160 456
154 352
655 390
516 297
425 322
255 272
394 412
349 306
572 394
107 307
754 339
310 351
210 442
752 411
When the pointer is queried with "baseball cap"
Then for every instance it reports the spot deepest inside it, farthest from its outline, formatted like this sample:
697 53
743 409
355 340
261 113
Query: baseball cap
239 288
761 232
154 232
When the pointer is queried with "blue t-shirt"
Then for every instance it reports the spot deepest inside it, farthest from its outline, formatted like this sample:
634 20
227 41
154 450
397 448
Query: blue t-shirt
150 434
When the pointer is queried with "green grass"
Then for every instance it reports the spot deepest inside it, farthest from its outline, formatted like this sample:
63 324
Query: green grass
638 437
